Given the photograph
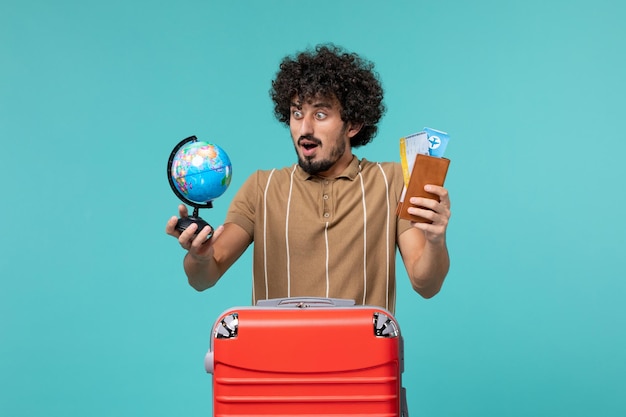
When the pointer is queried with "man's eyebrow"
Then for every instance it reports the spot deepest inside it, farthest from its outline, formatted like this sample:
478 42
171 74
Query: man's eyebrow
322 104
316 104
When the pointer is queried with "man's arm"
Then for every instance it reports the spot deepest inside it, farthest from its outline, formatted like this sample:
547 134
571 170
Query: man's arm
423 247
207 260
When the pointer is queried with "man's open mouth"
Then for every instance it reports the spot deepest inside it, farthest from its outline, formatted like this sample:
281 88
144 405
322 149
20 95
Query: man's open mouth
308 144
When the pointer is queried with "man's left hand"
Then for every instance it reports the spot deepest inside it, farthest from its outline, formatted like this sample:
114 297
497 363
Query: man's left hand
438 212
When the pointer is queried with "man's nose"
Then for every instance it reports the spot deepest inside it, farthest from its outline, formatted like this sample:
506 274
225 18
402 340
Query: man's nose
306 126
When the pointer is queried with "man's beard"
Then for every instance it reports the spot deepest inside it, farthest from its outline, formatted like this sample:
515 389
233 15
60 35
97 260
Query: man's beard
313 167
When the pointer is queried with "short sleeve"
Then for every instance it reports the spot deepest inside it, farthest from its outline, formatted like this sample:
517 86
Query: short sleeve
242 209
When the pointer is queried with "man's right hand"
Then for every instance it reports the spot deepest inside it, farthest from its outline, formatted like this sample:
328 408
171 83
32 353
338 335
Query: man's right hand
207 259
199 247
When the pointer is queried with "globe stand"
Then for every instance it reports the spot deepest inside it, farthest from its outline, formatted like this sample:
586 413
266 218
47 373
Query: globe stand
184 222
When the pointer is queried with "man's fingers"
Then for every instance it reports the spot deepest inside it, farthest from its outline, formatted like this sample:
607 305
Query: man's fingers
424 202
185 238
444 198
202 236
217 232
182 211
170 227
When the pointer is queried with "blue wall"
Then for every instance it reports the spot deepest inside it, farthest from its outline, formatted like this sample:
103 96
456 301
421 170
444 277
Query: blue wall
96 317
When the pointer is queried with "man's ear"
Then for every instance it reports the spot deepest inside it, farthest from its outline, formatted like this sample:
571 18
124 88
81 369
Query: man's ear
354 128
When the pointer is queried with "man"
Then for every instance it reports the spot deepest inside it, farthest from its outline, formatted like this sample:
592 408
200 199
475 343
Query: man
327 226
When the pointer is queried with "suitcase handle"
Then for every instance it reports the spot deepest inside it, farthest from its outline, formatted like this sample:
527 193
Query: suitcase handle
305 302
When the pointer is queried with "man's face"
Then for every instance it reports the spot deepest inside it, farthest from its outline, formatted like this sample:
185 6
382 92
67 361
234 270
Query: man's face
320 137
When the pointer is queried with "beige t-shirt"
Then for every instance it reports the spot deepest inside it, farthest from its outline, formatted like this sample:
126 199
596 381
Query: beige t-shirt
320 237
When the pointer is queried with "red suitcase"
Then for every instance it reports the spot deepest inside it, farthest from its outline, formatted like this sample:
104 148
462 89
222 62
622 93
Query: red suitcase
307 357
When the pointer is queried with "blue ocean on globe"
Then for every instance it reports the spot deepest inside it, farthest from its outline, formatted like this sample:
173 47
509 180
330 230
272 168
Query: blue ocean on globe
201 171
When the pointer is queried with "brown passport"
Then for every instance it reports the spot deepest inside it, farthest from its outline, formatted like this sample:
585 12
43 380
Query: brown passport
426 170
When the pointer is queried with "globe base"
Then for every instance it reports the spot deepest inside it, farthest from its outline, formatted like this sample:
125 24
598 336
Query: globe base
184 222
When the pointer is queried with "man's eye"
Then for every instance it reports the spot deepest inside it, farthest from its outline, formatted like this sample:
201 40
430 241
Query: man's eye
297 114
320 115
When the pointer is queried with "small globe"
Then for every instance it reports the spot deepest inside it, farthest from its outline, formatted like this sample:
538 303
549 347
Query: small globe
200 171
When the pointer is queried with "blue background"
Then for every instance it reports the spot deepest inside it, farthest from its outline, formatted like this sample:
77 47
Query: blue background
96 317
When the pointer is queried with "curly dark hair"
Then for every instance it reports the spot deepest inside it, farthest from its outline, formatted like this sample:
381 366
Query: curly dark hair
329 71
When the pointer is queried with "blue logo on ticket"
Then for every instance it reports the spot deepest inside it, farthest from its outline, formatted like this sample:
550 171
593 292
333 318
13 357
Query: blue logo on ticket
437 141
